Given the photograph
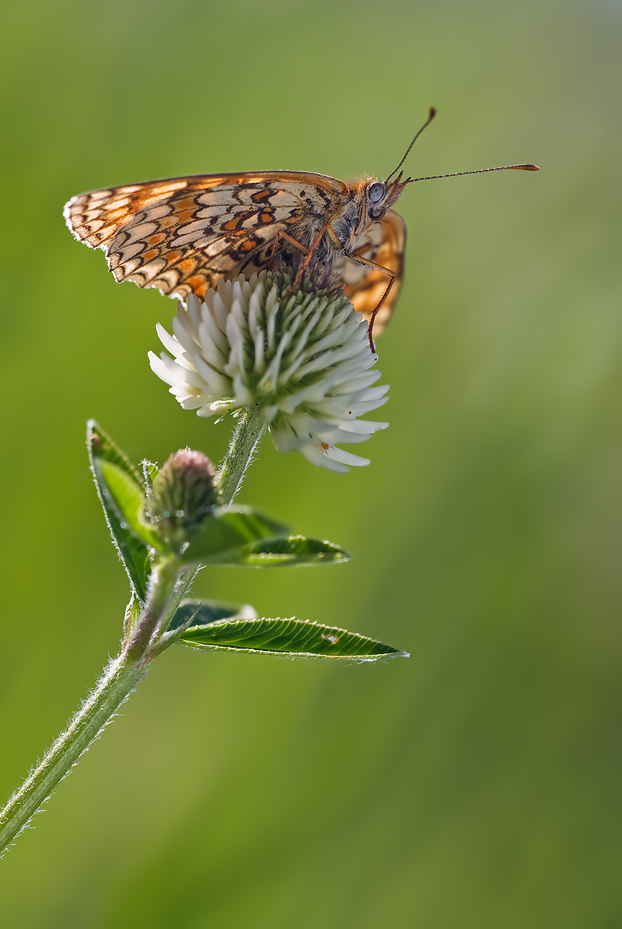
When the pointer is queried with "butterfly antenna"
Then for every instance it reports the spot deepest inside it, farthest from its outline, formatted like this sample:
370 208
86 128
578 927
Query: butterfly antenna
426 123
435 177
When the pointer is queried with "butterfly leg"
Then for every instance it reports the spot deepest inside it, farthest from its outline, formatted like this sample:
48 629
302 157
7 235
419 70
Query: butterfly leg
275 246
292 241
375 267
309 252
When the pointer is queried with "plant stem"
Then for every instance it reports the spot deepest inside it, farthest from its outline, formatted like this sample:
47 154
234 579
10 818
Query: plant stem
125 672
114 687
248 432
154 614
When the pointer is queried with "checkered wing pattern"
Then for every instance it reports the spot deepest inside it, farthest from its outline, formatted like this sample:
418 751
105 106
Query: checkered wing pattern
183 235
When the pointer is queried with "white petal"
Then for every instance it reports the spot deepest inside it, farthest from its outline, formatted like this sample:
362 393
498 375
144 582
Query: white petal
365 380
193 309
361 426
318 457
210 352
212 330
359 409
173 373
182 335
220 310
243 394
216 383
158 367
238 312
187 401
284 439
169 342
347 458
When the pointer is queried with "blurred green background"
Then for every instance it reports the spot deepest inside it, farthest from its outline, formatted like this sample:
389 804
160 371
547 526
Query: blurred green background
476 784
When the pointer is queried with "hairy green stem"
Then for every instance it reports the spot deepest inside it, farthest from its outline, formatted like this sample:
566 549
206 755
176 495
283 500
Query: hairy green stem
114 687
125 672
154 614
244 441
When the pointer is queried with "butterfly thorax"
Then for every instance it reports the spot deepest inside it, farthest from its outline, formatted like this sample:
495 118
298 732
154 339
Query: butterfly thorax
347 222
344 214
341 212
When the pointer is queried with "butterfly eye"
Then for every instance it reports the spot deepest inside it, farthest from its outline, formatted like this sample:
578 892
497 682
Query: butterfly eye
376 192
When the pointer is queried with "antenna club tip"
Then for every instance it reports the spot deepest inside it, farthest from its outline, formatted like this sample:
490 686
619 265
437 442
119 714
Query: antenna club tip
527 167
432 112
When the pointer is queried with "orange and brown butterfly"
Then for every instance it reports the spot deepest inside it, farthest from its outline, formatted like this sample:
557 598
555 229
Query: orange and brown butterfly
183 235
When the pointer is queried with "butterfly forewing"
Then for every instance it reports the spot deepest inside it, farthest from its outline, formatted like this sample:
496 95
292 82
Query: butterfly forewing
182 235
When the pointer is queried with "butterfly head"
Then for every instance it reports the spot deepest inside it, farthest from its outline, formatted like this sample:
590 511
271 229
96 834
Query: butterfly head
379 197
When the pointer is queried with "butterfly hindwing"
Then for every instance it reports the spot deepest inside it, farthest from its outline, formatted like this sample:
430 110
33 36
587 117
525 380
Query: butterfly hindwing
384 244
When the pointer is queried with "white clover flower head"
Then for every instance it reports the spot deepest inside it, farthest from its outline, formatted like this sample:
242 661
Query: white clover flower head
303 357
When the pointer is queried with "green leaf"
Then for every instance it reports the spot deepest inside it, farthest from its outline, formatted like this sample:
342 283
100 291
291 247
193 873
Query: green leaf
127 497
150 472
133 552
132 613
204 612
289 637
293 551
227 529
100 445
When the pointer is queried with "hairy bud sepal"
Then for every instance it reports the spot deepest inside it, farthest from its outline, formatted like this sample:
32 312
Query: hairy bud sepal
183 495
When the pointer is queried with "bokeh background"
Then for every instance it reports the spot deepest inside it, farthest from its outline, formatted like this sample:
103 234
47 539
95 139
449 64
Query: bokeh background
476 784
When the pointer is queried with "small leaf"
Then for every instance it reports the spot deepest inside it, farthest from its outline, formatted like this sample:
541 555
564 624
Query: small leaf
102 446
150 472
132 613
127 496
227 529
204 612
289 637
133 553
293 551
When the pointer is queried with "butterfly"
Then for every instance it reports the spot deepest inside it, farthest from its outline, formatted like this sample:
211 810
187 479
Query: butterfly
182 235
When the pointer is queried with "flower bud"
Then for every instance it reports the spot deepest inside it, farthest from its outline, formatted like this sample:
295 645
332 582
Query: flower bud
184 493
